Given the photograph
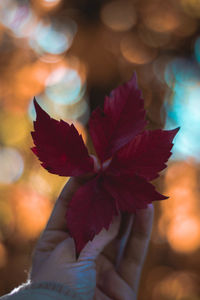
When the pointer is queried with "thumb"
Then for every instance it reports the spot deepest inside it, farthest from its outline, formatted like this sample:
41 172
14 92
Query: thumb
93 248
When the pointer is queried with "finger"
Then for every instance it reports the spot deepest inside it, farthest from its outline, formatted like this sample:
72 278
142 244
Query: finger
114 250
122 238
57 220
65 252
56 228
131 264
94 247
111 283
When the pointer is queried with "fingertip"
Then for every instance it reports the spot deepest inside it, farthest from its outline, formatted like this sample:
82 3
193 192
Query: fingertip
144 212
150 208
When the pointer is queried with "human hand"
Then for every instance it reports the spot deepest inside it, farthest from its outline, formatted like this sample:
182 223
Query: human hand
92 275
118 275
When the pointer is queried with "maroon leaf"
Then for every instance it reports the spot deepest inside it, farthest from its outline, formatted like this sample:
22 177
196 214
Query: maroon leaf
121 120
129 156
145 155
90 210
131 193
59 146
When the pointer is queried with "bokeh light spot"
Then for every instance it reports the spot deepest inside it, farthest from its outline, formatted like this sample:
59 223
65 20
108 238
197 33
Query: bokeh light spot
31 108
119 16
19 125
52 38
183 71
76 111
49 3
191 7
180 218
135 51
64 86
160 16
18 17
12 165
177 286
183 109
184 234
32 211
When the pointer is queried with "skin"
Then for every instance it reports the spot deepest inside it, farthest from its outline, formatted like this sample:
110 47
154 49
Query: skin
109 267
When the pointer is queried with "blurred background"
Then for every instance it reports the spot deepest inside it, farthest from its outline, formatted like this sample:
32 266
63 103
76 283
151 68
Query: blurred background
70 54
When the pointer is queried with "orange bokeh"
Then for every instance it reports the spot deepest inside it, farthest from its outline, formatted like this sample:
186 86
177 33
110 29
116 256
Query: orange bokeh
117 16
31 211
30 79
176 285
135 51
180 218
161 17
103 43
43 6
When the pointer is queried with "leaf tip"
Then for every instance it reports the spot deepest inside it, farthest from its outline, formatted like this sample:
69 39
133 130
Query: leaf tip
134 78
35 103
173 133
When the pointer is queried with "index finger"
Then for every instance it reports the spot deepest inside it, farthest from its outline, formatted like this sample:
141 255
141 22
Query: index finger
57 220
56 228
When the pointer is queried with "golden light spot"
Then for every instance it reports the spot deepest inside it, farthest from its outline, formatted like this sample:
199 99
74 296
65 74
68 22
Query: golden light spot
39 182
184 233
135 51
19 125
118 15
47 184
191 7
160 16
180 218
22 83
30 80
46 5
175 285
32 211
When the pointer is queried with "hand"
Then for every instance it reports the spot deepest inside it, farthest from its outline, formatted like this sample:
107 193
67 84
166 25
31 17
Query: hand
118 277
93 275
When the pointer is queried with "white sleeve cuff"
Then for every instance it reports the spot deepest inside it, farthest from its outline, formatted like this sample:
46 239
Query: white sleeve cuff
42 291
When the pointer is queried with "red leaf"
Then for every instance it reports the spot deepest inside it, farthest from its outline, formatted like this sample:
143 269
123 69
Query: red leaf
90 210
59 146
131 193
122 119
145 155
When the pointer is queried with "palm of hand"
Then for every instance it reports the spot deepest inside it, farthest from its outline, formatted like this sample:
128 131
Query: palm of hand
100 276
